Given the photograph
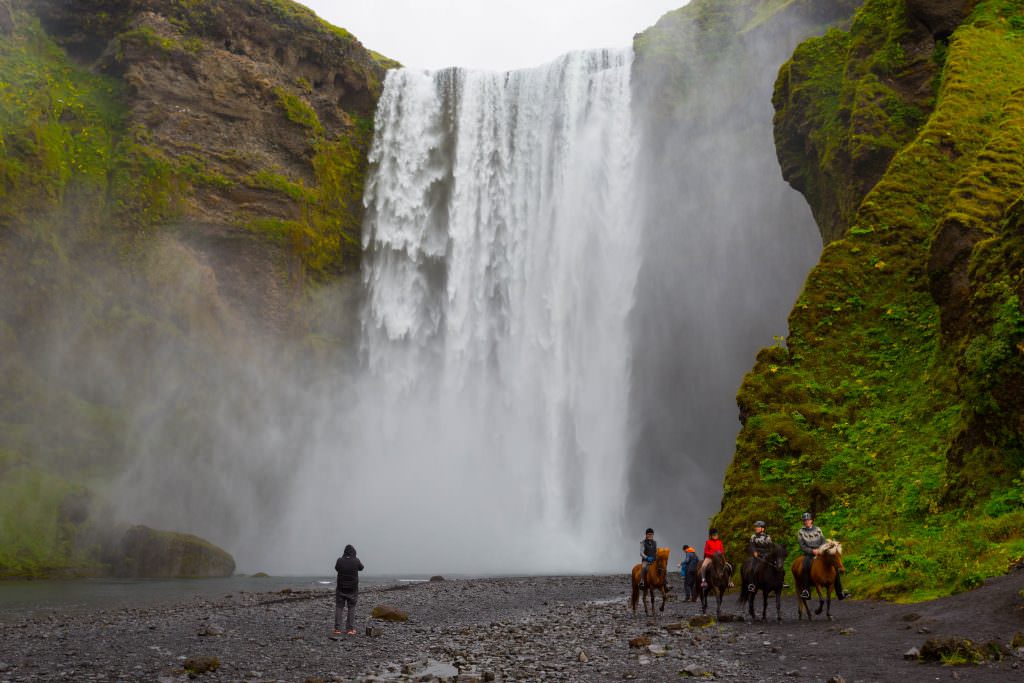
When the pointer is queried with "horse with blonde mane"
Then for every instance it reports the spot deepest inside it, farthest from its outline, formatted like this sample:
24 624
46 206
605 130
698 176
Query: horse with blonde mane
824 569
654 579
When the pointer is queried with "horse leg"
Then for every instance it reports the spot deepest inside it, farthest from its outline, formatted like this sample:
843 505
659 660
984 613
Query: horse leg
718 610
764 606
821 600
634 597
778 605
750 604
828 601
664 597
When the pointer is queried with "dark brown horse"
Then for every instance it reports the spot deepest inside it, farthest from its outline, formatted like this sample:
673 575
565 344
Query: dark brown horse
716 576
826 566
653 580
767 574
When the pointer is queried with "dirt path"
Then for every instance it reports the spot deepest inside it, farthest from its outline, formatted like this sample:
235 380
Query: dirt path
548 628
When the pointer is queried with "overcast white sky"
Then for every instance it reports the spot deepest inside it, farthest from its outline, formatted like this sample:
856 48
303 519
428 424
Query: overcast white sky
490 34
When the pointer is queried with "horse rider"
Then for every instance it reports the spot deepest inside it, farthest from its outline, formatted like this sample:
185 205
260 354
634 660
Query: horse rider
760 542
650 551
811 539
712 547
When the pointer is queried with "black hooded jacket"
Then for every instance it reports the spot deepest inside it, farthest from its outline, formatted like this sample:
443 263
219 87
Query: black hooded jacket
348 567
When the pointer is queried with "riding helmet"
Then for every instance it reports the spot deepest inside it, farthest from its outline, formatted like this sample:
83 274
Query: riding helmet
807 515
760 524
649 531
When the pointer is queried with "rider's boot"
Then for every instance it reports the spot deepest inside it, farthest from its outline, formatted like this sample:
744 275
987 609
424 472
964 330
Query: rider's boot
840 593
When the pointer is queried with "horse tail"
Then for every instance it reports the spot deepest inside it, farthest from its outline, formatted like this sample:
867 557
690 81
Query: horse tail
744 594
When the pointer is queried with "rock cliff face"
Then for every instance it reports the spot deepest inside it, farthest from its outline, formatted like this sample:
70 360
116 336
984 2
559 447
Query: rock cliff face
178 183
260 115
893 408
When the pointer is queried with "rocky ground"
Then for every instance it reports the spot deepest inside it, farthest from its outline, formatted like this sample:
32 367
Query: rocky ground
554 628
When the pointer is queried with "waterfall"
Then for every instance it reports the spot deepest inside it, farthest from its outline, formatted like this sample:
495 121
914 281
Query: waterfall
501 256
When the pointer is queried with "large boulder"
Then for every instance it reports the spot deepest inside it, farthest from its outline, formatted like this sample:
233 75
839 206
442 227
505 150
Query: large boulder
152 554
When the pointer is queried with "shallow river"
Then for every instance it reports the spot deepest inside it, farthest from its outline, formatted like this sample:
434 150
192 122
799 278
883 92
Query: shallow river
19 599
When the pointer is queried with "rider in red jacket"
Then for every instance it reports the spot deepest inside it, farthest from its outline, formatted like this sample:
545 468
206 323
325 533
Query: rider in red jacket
712 546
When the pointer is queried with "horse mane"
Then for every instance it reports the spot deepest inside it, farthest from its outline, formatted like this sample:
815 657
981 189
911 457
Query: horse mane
831 547
663 553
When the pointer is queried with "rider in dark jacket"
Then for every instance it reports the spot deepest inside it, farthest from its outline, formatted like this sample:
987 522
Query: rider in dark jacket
649 553
760 542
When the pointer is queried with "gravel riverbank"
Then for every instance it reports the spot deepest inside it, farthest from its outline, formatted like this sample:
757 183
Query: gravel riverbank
536 628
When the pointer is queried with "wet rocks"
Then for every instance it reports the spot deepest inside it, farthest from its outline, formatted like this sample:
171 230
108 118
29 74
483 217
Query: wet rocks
212 630
701 621
196 666
913 654
639 642
389 613
436 579
951 650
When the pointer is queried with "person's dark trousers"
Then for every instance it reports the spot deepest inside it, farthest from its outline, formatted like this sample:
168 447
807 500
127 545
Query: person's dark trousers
691 584
805 578
340 601
687 587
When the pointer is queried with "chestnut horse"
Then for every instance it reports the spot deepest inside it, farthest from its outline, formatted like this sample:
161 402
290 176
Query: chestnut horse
653 580
824 569
717 577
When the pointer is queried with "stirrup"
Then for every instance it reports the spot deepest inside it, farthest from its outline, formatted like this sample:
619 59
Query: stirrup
751 588
805 594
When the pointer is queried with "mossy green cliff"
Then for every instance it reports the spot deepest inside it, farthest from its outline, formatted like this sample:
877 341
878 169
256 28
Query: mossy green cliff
178 178
894 408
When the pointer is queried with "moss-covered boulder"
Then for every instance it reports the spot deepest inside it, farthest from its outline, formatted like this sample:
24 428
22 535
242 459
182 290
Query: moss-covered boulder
150 554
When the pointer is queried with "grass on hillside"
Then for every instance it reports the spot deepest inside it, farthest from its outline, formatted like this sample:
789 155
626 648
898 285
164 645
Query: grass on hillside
854 417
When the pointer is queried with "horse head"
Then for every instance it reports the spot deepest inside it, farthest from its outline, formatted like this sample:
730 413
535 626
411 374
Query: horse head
777 557
831 547
662 558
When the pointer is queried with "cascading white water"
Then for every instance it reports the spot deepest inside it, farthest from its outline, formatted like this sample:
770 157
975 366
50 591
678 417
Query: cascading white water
501 257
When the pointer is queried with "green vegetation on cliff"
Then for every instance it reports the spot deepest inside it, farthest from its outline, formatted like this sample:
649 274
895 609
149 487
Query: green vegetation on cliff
893 409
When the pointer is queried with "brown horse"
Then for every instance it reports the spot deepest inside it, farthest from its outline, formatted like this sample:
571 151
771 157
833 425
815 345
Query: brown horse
826 566
716 575
653 580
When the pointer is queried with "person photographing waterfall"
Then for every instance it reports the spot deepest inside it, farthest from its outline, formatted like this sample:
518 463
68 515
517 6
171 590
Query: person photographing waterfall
346 593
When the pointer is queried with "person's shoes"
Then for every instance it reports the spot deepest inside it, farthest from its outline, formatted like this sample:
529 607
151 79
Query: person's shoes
785 585
806 595
351 632
843 595
703 584
336 632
